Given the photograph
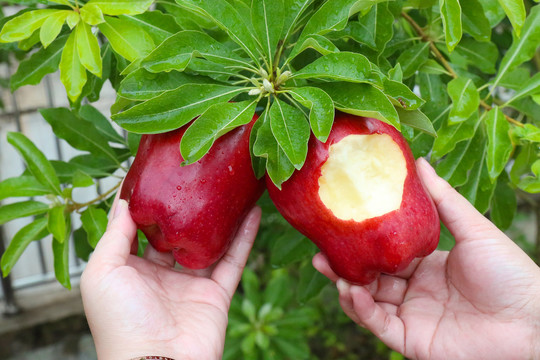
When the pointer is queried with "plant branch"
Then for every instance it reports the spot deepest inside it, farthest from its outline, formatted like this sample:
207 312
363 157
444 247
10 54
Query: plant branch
425 37
77 206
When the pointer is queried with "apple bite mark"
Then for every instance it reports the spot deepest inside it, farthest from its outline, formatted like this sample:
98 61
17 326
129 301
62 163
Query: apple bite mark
363 177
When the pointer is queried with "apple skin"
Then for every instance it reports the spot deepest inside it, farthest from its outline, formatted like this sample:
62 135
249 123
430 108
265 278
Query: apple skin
195 210
360 251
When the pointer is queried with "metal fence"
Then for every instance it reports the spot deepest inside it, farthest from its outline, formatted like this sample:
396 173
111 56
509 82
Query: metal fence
21 113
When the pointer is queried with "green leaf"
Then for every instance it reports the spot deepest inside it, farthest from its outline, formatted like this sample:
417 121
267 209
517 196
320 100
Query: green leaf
482 55
88 49
290 248
57 223
121 7
451 16
499 144
174 108
402 95
127 39
82 247
531 87
465 99
213 123
228 19
251 287
82 179
20 242
61 262
432 67
91 14
376 27
21 209
22 186
515 10
417 120
362 100
321 109
503 204
144 85
52 26
332 16
413 58
101 123
291 131
523 47
267 17
342 66
73 19
316 42
523 162
277 292
311 283
176 52
36 161
94 222
156 24
78 133
474 20
23 26
278 165
479 189
295 9
494 11
72 71
455 167
449 135
257 163
44 61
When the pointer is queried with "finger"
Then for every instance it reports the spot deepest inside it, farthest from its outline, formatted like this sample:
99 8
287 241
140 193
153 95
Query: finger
346 301
386 326
321 264
113 248
115 203
388 289
461 218
161 258
228 270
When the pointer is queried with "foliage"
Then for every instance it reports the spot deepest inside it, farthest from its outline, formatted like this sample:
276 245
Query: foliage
459 78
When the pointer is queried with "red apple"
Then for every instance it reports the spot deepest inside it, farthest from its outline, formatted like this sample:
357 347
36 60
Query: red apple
193 211
360 200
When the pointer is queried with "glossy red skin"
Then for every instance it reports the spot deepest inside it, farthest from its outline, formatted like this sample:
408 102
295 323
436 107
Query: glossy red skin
360 251
193 211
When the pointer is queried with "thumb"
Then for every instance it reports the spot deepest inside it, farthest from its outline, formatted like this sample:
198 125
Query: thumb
459 216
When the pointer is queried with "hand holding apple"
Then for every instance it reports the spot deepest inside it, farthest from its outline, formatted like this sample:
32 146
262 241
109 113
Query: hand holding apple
360 200
478 301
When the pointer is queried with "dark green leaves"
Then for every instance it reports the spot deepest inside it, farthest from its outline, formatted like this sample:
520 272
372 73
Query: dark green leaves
465 99
451 16
213 123
291 131
343 66
499 143
267 17
37 163
20 242
21 209
321 106
94 222
174 108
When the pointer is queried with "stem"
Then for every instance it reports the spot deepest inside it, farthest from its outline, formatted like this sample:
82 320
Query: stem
446 64
77 206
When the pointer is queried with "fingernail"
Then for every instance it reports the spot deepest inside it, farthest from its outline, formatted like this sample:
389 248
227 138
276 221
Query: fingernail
120 206
423 163
343 286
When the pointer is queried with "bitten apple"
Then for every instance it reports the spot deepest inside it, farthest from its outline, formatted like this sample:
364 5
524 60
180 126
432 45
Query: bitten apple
193 211
360 200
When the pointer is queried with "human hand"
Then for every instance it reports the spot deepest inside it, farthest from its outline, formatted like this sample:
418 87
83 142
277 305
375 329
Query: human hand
479 301
143 306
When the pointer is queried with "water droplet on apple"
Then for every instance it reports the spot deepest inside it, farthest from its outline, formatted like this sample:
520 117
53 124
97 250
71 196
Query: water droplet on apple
178 188
231 170
203 181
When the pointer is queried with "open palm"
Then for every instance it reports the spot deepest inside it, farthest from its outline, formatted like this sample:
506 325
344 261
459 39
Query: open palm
479 301
144 306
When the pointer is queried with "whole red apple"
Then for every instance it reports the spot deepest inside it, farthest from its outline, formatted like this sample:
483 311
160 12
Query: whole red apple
195 210
360 200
